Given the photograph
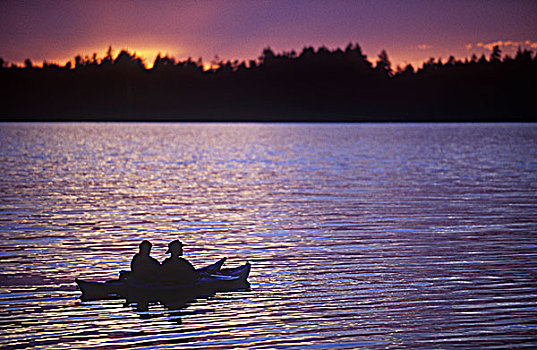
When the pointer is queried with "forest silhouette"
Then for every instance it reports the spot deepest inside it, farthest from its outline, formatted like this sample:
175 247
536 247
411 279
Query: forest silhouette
318 85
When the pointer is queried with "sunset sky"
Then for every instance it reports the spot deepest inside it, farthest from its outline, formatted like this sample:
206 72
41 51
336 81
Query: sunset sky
411 31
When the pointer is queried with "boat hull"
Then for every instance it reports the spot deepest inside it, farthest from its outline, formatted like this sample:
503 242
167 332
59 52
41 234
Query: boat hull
211 281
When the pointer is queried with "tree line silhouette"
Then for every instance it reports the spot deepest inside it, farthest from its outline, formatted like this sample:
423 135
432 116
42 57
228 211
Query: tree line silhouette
313 85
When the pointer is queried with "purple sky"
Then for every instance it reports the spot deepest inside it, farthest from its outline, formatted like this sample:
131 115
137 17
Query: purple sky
411 31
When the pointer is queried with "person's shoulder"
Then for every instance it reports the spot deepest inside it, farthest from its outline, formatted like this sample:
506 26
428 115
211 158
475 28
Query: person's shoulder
185 262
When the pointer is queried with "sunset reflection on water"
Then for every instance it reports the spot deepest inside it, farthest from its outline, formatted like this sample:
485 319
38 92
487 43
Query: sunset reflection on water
359 235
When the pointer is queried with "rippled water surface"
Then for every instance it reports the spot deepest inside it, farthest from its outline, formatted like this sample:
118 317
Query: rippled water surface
360 236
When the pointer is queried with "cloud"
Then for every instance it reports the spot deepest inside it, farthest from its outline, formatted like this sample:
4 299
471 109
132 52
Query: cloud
507 44
424 46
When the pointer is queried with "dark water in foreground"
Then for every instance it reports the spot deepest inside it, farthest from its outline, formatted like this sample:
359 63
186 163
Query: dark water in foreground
360 236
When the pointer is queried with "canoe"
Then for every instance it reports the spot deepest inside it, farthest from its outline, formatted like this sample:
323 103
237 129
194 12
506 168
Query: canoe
214 268
213 279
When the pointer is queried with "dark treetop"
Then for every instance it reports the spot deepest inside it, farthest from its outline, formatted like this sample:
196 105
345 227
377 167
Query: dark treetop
315 85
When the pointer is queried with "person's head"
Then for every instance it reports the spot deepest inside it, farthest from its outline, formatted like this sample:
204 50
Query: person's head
145 247
175 248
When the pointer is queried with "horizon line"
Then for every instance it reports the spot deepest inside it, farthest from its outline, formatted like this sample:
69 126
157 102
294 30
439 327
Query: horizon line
149 60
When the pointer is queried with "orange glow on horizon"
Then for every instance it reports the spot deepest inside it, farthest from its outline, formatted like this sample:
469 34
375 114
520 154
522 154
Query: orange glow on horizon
416 55
146 53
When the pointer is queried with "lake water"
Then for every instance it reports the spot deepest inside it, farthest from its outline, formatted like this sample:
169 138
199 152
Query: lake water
360 235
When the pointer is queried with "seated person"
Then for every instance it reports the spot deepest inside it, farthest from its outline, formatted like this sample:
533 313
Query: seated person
144 267
176 269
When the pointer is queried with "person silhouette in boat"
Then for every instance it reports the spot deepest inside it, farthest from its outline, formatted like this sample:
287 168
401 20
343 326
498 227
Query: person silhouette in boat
144 267
176 269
